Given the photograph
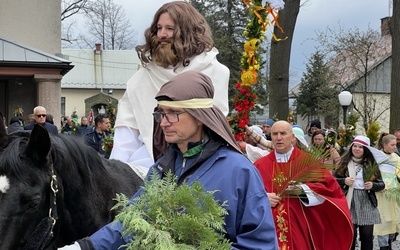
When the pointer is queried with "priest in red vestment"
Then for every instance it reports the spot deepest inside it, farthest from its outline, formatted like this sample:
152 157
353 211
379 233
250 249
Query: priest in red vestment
310 215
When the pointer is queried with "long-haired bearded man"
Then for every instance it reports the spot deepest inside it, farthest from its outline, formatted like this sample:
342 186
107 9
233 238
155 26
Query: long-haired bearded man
178 40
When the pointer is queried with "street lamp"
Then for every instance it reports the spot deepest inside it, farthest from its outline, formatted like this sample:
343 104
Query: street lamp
345 98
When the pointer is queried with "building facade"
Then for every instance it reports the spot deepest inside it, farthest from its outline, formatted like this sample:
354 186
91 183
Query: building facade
98 76
30 67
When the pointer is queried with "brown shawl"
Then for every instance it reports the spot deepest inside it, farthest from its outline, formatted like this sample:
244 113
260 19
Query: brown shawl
195 85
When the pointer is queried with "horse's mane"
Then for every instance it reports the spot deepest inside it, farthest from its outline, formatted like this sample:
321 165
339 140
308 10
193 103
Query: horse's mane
69 155
69 151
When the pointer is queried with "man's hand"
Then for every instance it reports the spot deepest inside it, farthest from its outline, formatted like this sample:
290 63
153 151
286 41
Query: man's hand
273 199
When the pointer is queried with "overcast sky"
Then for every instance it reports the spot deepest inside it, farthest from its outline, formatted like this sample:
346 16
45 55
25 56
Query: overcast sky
314 15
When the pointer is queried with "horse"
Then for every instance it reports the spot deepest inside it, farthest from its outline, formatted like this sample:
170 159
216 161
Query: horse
54 189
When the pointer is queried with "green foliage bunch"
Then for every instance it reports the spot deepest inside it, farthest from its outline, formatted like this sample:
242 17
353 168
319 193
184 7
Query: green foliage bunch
370 170
373 132
107 143
353 119
111 113
169 216
393 194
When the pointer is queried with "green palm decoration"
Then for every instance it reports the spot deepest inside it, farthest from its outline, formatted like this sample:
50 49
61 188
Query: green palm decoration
308 167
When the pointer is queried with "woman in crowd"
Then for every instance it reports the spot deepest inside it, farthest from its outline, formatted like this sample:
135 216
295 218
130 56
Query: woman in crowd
359 176
299 140
388 208
318 142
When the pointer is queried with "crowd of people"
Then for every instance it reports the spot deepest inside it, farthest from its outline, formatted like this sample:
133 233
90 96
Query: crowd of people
279 195
93 135
364 174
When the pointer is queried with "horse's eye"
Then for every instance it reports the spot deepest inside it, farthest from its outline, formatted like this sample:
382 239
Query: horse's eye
34 204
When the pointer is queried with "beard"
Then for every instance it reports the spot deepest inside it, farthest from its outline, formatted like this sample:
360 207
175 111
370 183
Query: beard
163 54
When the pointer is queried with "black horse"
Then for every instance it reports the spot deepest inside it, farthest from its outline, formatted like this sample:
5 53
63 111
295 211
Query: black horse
55 189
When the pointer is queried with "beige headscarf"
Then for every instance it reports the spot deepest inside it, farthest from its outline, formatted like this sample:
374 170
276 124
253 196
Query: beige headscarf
194 91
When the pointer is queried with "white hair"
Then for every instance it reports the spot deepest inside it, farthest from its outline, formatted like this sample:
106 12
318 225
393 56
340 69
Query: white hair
39 108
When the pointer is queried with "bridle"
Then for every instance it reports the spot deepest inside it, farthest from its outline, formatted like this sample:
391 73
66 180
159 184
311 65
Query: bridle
43 234
53 215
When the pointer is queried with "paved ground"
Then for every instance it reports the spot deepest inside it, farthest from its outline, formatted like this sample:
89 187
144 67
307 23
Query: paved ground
395 245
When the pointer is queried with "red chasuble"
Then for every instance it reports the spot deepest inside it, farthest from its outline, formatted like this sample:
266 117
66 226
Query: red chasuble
327 226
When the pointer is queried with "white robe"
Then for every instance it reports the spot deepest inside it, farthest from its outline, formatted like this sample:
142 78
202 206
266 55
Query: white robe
134 124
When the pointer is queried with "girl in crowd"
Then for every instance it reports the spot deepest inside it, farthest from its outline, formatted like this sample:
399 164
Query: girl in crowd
388 208
359 181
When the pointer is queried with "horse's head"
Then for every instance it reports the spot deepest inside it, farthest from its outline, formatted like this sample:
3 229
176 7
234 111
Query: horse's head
25 190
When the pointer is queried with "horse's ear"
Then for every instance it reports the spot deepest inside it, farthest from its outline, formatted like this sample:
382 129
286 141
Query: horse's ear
39 143
3 131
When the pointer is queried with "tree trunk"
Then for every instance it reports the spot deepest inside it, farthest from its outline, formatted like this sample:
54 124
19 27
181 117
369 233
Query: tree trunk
278 86
395 79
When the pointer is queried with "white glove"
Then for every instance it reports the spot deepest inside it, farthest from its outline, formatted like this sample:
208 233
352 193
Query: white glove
74 246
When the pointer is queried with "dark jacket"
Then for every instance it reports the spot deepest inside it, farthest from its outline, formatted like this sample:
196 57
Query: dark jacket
83 130
51 128
94 140
16 126
67 129
377 185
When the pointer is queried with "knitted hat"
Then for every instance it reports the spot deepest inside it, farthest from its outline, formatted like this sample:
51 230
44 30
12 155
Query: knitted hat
363 140
257 129
269 121
378 155
315 123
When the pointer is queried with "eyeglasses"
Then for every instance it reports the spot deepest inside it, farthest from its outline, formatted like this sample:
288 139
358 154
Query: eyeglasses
172 117
41 115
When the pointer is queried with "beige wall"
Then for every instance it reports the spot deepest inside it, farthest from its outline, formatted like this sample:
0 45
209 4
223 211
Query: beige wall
36 23
75 99
380 103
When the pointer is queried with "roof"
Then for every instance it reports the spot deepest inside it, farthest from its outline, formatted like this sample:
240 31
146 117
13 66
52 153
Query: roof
346 75
100 69
13 54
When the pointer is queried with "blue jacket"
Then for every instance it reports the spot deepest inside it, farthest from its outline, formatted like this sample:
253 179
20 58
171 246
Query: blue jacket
249 224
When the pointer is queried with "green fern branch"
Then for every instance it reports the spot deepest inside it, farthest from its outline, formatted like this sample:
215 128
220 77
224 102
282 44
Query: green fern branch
170 216
393 194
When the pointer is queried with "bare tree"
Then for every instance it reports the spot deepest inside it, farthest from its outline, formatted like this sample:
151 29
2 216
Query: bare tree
108 24
395 78
70 8
354 54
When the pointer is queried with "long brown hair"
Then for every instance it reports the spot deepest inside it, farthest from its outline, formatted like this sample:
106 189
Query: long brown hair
192 34
347 156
